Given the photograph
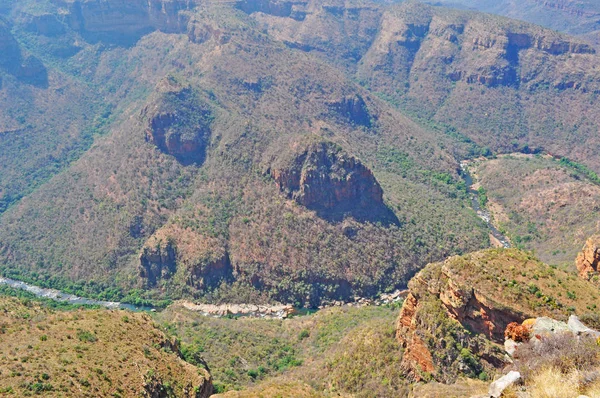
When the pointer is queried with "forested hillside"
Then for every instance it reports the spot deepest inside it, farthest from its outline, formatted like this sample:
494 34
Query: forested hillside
255 151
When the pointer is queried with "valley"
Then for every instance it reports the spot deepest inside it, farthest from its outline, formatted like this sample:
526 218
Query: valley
299 198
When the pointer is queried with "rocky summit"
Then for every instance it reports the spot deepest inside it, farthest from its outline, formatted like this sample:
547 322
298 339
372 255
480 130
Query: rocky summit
362 198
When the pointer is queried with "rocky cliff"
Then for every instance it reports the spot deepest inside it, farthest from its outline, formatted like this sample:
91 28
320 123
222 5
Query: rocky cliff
201 262
464 69
177 121
124 21
587 261
158 261
324 178
295 9
457 312
354 109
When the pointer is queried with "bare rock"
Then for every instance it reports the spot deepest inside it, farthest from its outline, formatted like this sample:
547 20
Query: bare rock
579 329
178 121
545 326
323 177
158 261
510 346
589 257
498 387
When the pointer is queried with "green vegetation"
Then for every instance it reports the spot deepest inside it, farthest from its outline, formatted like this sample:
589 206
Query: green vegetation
580 168
147 139
344 349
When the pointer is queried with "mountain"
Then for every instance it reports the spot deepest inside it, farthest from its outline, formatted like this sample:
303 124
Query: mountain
204 175
503 84
255 151
575 17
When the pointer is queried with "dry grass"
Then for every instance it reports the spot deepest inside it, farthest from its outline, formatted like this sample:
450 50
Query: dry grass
552 383
275 389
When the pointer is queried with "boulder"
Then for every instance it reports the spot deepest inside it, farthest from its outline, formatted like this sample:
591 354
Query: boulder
510 346
498 387
545 326
579 329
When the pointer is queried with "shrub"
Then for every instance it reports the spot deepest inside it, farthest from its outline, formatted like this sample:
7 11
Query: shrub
303 334
86 336
516 332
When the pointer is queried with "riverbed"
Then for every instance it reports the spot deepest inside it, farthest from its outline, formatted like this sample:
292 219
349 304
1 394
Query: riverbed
483 213
57 295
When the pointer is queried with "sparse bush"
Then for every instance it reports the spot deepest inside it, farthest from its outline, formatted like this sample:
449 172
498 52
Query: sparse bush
561 352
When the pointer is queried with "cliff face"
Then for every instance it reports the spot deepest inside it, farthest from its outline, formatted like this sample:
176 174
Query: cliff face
354 109
587 261
324 178
177 122
125 20
434 59
435 323
456 314
44 24
338 29
279 8
472 49
158 262
199 261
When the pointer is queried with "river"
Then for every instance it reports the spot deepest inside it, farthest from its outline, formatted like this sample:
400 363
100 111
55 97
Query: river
484 214
69 298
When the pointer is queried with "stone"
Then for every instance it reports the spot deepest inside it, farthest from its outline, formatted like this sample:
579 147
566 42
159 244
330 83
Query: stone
545 326
498 387
579 329
510 346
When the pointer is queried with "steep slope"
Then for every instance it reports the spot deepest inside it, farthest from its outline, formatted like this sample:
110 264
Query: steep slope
186 191
455 315
90 352
502 83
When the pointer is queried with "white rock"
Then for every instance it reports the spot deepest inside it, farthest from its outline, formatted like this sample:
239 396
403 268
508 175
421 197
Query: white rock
503 383
510 346
579 328
547 326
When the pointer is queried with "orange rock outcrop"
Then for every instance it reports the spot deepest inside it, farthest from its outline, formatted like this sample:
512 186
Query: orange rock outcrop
589 257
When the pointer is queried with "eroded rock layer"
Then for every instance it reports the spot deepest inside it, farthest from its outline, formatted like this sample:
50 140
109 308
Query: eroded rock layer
325 178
